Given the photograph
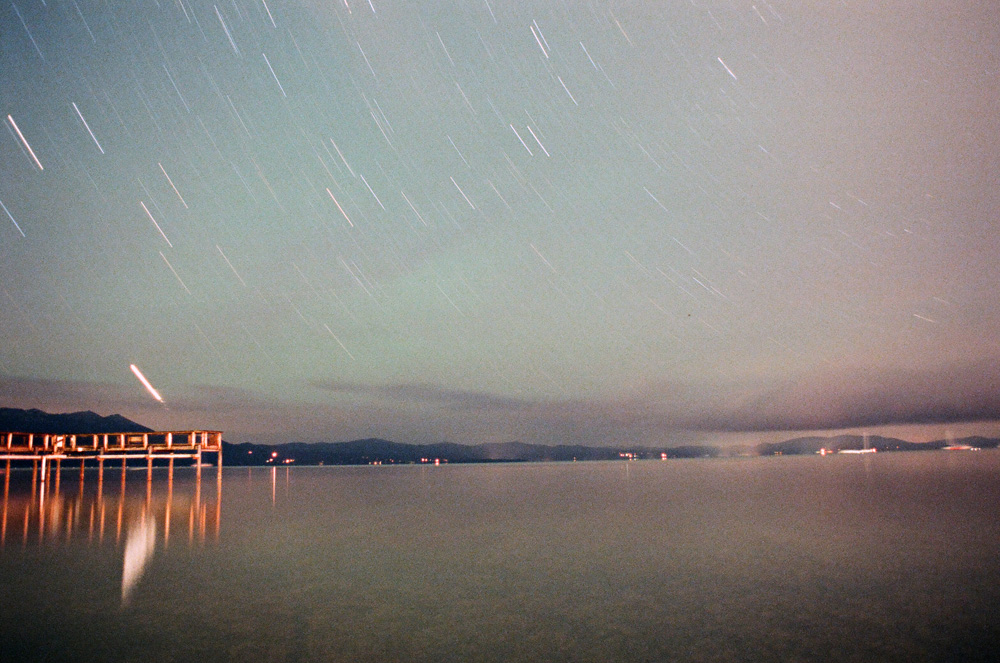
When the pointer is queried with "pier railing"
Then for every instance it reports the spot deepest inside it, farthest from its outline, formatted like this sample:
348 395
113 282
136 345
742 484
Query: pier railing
155 444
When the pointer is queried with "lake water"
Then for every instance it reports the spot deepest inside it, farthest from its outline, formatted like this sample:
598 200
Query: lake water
892 557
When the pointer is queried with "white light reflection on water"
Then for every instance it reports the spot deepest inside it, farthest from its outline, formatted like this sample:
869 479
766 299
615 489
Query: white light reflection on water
140 543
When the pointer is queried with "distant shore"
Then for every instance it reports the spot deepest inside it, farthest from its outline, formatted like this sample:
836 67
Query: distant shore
385 452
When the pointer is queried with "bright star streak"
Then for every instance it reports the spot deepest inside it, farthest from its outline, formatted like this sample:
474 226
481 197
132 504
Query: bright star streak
572 98
463 193
728 69
339 207
342 158
538 141
156 224
269 13
172 185
145 382
11 217
30 36
372 191
544 52
344 347
23 140
88 127
522 140
230 266
411 207
280 87
231 42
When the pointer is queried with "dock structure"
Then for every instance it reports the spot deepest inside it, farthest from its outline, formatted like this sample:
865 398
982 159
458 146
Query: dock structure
45 447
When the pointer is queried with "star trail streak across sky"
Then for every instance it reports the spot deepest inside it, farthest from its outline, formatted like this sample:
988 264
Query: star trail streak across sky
559 222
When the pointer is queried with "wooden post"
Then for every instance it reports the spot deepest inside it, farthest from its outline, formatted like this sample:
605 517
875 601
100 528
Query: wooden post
145 441
218 443
170 440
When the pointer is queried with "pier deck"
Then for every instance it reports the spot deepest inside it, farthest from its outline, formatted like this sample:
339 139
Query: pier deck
102 446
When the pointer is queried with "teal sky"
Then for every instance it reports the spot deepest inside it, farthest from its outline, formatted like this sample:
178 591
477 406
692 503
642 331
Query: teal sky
483 221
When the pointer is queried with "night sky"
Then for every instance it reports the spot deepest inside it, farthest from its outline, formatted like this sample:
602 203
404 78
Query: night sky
556 222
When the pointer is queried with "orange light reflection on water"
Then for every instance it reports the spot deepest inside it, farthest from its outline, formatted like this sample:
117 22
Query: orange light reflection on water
43 512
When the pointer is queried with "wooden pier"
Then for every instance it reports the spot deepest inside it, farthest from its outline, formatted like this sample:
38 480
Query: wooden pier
45 447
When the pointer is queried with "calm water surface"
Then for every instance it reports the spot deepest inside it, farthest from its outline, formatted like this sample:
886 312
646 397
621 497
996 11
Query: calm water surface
890 557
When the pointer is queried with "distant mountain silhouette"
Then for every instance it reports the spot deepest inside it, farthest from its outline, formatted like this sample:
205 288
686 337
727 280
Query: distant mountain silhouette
374 450
37 421
811 445
385 451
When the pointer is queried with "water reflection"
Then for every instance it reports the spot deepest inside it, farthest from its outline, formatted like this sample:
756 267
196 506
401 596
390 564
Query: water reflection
135 510
140 543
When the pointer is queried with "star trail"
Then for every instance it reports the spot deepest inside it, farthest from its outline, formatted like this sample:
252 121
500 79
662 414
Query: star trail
478 221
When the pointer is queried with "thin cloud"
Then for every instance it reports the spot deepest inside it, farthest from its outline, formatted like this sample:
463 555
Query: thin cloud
664 413
430 394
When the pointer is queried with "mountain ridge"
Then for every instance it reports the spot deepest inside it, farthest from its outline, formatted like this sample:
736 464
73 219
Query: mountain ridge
85 421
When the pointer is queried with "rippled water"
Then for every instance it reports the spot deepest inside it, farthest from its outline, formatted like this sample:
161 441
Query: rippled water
882 557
